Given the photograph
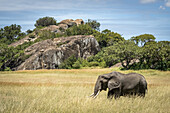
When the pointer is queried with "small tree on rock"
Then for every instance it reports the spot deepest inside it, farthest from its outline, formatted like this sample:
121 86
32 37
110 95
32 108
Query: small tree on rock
45 21
93 24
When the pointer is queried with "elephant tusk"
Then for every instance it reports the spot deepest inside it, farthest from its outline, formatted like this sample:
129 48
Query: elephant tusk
91 95
96 94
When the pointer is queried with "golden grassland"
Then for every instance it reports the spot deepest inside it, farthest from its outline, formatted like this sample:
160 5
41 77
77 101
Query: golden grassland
67 91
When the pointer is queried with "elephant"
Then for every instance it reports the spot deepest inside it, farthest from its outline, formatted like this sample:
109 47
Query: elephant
120 84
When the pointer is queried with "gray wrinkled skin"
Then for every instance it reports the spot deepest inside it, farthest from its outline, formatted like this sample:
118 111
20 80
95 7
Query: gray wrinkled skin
120 84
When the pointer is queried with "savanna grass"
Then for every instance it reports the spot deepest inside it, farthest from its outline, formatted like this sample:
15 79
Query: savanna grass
67 91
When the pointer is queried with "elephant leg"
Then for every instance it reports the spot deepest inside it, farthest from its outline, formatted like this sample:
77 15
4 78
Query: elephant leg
142 92
110 94
117 93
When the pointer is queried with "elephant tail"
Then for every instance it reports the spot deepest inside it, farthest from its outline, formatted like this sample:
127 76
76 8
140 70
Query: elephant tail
146 88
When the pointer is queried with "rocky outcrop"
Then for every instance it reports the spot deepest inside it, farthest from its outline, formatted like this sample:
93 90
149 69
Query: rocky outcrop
71 22
60 28
63 25
49 54
52 28
79 21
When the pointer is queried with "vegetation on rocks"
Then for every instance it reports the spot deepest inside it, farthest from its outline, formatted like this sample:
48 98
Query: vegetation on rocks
139 52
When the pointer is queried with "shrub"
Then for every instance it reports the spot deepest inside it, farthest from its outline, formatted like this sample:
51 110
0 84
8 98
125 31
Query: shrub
93 64
29 31
93 24
32 36
80 63
45 34
45 21
7 69
77 65
79 30
68 63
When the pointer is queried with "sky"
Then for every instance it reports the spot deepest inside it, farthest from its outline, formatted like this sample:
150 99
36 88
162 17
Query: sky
126 17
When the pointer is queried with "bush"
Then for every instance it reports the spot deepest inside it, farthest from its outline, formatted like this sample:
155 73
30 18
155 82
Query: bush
32 36
68 63
45 34
107 38
77 65
80 63
79 30
103 64
7 69
29 31
93 64
93 24
45 21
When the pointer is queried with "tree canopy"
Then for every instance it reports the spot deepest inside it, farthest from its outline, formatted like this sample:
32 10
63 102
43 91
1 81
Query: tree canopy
107 38
45 21
93 24
9 34
143 39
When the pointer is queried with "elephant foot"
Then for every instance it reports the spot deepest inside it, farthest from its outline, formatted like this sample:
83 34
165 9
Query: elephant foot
110 95
117 96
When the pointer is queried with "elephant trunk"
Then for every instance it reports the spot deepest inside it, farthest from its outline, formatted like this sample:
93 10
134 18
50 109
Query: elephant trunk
96 89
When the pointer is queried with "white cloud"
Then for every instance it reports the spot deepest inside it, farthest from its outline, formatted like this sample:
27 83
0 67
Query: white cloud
167 4
162 7
147 1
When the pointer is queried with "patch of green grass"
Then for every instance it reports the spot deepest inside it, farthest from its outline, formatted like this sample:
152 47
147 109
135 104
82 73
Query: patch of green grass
46 91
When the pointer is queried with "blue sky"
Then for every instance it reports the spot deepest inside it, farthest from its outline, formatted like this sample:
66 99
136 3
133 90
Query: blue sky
126 17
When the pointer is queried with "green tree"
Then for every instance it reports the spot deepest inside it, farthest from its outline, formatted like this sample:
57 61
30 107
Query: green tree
126 51
107 38
141 40
1 33
93 24
122 51
29 31
9 34
45 21
156 55
11 57
106 31
79 30
7 54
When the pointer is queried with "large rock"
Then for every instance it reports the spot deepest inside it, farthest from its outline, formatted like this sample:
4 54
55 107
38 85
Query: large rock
71 22
52 28
79 21
49 54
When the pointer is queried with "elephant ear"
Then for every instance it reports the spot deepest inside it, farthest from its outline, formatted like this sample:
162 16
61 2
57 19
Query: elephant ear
113 83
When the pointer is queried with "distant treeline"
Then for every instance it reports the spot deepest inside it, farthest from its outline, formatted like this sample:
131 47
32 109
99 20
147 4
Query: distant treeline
139 52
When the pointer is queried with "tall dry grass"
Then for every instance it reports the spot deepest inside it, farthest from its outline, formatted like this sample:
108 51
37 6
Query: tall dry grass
50 91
